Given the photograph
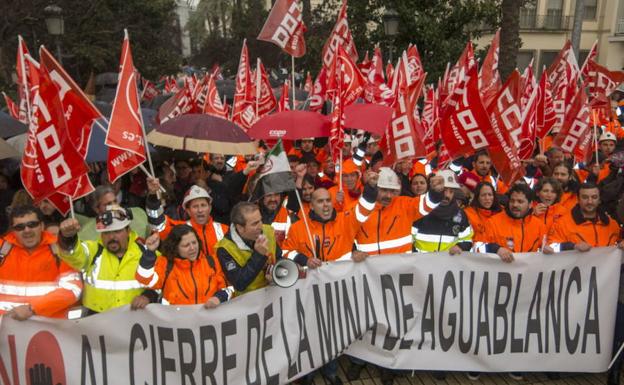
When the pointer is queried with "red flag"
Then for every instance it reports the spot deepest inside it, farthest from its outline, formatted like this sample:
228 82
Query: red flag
592 55
319 92
401 140
389 73
376 90
125 139
464 118
179 104
79 110
344 70
575 135
243 111
50 162
216 72
309 84
365 65
457 73
430 121
284 103
414 64
149 90
11 106
212 102
284 27
489 78
602 81
340 36
505 137
528 84
266 100
200 93
546 116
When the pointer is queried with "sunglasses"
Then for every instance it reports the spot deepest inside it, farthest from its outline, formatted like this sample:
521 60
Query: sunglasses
107 217
30 225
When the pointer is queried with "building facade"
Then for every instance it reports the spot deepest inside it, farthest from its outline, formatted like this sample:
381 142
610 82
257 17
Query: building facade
545 25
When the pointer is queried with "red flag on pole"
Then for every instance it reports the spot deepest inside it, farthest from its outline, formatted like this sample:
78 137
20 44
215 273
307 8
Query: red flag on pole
592 55
50 162
243 109
464 118
11 106
284 103
284 27
575 135
489 78
346 71
319 92
376 90
459 70
601 81
506 122
389 74
212 103
125 138
309 84
340 36
527 84
430 121
546 116
267 101
179 104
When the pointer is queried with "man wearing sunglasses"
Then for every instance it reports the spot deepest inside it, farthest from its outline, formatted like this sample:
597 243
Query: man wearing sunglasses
33 281
109 264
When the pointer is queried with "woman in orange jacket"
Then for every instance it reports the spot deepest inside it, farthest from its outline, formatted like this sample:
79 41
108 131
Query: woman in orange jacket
483 206
186 275
547 206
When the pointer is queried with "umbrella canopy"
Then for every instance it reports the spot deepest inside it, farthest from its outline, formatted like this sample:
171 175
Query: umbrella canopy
7 151
10 127
373 118
202 133
291 125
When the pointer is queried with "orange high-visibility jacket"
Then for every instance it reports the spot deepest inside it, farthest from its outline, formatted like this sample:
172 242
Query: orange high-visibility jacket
209 234
388 229
335 236
551 215
573 228
188 282
478 219
39 278
518 235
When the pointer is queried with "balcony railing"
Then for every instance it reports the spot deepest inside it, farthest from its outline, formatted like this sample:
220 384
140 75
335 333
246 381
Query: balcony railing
619 28
552 22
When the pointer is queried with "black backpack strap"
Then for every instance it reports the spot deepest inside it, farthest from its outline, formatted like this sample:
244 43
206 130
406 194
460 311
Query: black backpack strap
98 253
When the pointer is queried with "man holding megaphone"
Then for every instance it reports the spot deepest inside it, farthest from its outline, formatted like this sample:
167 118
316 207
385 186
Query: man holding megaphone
247 249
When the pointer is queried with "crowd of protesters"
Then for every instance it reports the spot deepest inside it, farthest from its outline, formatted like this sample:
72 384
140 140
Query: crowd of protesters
191 235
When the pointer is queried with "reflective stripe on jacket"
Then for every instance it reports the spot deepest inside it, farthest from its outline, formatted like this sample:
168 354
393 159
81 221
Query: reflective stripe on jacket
109 280
37 278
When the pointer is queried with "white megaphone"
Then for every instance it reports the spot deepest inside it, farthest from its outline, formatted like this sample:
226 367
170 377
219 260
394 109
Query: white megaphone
286 273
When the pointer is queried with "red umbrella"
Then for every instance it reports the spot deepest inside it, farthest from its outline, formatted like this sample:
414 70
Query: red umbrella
373 118
291 125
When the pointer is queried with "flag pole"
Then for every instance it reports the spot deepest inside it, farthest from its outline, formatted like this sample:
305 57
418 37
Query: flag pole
305 222
595 134
258 93
71 207
292 62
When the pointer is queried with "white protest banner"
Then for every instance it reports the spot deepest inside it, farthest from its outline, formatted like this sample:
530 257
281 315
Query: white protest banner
469 312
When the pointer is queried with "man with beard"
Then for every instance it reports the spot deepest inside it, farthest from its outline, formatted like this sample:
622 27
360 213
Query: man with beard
587 225
482 167
109 264
446 227
515 230
331 238
273 207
